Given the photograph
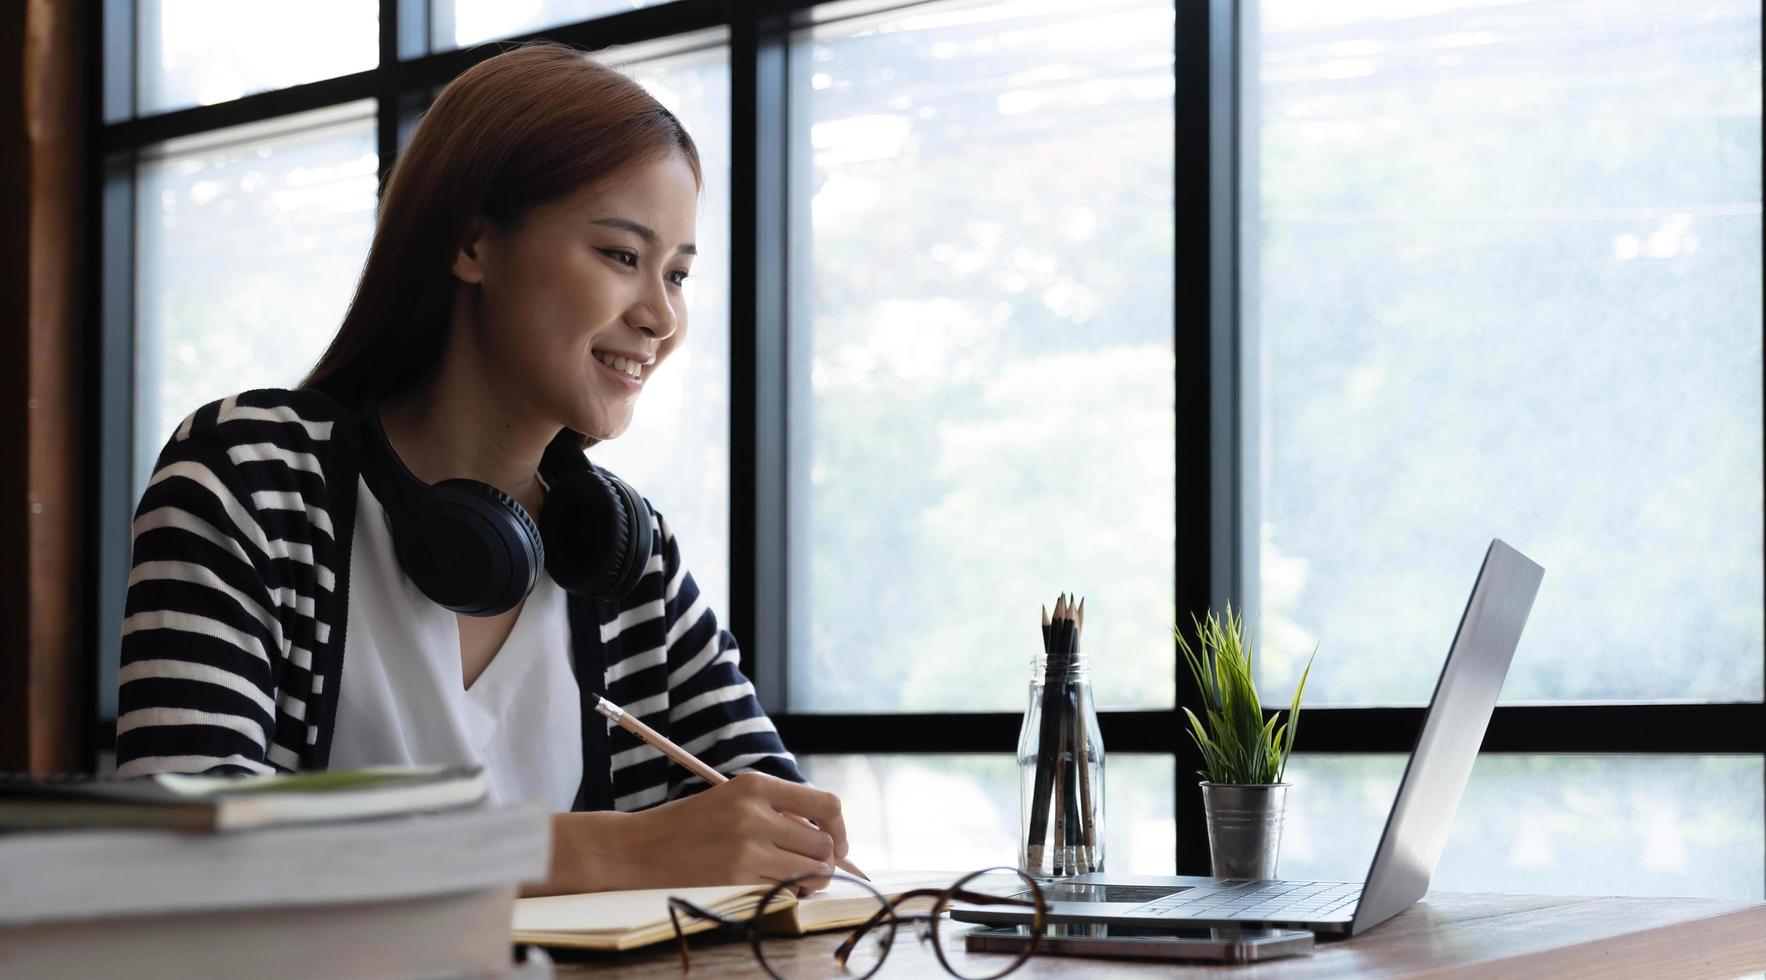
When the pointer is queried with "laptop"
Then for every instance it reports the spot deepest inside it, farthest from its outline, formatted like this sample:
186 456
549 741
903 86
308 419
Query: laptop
1416 829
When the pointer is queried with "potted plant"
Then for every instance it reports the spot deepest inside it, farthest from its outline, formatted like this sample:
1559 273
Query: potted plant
1244 755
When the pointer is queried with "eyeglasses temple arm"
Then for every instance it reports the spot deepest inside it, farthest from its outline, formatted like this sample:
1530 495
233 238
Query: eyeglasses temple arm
677 905
680 938
887 911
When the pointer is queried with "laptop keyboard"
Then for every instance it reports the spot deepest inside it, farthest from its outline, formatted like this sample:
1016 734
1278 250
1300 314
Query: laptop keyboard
1257 900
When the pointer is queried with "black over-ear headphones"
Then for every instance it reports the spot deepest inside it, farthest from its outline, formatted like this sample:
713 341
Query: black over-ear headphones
472 548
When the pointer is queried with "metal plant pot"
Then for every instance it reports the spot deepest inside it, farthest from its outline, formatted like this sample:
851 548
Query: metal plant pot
1244 827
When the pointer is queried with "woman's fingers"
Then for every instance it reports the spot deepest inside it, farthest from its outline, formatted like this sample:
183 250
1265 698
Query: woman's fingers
793 818
793 834
783 865
818 806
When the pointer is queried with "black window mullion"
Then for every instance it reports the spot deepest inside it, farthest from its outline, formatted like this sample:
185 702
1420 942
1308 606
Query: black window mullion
1691 729
111 313
758 507
1738 727
386 113
1195 427
992 732
114 411
161 127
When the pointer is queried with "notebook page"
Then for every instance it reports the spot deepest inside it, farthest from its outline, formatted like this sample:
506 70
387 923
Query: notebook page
624 911
843 903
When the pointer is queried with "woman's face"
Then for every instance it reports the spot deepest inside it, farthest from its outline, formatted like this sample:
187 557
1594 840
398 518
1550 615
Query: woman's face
581 303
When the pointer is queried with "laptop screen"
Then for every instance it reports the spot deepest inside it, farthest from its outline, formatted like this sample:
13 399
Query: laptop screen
1453 728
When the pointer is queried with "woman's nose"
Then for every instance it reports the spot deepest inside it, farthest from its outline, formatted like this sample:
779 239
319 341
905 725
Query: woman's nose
655 315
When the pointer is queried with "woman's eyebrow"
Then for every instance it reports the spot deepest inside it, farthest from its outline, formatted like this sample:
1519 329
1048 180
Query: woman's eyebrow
642 231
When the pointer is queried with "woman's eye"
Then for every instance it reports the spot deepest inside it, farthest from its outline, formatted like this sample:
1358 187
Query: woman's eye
621 256
678 277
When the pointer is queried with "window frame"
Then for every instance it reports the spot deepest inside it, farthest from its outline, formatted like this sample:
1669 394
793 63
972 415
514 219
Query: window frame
1215 63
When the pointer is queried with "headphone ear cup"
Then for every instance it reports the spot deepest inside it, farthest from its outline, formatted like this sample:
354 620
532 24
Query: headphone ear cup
470 547
598 532
641 533
466 545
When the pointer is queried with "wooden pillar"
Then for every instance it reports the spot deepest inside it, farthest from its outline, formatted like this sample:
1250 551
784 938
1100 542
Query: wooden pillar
46 661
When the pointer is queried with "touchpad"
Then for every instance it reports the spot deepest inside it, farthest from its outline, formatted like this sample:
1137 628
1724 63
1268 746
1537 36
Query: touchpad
1133 894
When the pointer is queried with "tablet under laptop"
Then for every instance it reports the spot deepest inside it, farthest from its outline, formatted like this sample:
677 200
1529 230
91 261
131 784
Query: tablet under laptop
1416 829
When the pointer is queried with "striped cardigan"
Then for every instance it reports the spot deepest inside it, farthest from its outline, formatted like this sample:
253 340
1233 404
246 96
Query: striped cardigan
233 631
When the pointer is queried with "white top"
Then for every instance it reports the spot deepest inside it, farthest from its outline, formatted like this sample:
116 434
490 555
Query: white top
404 699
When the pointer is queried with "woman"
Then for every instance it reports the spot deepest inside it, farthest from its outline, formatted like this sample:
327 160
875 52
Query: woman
286 608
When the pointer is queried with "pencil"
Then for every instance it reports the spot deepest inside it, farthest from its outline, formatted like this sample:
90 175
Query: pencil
1083 753
661 743
1047 746
1070 772
1060 807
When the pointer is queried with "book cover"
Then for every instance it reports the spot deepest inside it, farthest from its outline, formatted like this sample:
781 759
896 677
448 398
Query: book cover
226 803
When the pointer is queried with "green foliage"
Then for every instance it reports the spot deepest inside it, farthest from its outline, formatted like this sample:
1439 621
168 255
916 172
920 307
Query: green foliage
1238 744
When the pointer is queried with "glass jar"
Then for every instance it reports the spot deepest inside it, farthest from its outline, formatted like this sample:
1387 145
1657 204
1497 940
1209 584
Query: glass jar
1060 774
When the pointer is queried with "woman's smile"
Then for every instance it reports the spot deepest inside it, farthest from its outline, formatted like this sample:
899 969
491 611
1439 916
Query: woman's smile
626 373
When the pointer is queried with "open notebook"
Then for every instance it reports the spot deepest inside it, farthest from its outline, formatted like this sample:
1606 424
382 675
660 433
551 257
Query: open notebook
629 919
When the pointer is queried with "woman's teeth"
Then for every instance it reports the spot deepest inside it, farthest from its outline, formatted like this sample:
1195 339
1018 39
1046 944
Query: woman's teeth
619 364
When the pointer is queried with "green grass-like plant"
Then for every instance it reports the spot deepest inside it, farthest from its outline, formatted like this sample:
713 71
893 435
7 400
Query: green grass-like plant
1239 746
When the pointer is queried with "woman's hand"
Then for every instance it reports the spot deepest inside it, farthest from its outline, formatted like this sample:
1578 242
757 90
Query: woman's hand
754 828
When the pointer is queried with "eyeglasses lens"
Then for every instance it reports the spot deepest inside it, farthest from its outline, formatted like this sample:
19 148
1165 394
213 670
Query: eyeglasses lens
789 958
995 887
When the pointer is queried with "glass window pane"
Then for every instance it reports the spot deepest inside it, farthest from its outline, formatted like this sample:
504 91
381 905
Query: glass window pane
1548 824
1510 287
957 812
677 451
199 52
460 23
249 244
982 401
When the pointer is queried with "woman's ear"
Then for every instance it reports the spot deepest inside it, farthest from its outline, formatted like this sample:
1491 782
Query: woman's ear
468 263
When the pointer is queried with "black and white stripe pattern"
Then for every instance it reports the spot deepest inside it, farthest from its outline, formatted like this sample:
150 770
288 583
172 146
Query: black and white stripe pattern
235 615
672 666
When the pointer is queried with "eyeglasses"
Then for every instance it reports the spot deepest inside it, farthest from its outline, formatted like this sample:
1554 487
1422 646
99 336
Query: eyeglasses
862 953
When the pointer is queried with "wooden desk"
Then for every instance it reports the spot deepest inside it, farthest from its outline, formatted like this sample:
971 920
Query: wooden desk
1446 935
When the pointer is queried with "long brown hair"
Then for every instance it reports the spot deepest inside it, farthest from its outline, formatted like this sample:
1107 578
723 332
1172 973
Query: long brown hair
516 131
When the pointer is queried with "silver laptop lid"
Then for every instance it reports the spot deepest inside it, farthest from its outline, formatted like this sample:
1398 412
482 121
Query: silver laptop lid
1453 728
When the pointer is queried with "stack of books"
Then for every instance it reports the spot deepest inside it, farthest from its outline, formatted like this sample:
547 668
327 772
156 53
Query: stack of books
364 873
